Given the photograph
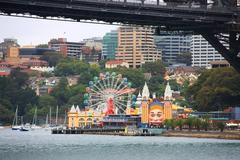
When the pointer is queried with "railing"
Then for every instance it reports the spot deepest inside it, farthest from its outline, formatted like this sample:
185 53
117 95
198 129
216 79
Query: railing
194 4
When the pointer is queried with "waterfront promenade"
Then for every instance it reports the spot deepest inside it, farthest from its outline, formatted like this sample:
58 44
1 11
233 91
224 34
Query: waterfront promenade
203 134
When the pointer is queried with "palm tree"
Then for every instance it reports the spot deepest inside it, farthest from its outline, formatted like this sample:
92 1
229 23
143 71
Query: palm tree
180 123
197 123
173 124
221 126
189 122
167 123
205 123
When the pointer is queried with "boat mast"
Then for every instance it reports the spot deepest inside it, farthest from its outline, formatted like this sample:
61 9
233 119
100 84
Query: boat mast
21 120
65 118
57 116
34 122
47 120
50 116
15 120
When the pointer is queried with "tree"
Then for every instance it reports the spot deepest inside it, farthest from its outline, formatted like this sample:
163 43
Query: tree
185 58
135 76
156 85
42 46
172 124
20 78
5 115
206 123
61 92
15 92
197 122
102 63
180 123
53 58
167 123
220 126
47 101
76 100
215 89
155 68
174 85
190 122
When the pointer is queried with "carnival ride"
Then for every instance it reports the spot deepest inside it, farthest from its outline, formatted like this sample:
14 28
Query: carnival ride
110 93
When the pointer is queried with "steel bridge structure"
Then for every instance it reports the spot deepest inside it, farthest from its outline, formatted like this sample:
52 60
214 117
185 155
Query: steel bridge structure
218 25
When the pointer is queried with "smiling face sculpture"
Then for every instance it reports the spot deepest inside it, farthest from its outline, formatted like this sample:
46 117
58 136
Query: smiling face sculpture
156 115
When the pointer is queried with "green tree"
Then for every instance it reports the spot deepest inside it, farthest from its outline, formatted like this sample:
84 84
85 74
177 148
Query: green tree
173 124
155 68
47 101
42 46
61 92
185 58
155 84
135 76
190 122
206 123
76 100
215 89
197 122
180 123
174 85
167 123
220 126
53 58
15 92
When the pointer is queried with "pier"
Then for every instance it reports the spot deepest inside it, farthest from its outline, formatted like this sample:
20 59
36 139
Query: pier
110 131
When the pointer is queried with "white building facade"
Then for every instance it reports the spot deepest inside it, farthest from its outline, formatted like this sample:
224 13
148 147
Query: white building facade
203 52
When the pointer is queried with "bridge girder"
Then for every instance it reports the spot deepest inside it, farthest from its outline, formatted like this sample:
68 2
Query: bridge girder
208 23
231 52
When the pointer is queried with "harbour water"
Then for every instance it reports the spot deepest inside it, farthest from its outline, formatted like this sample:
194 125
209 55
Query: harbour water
42 145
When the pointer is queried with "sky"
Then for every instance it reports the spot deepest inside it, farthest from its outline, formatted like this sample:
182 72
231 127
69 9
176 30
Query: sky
29 31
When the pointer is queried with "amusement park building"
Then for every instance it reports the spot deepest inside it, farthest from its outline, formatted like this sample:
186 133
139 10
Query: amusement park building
136 46
146 113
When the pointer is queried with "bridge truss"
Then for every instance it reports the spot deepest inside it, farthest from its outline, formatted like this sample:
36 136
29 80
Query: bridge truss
215 24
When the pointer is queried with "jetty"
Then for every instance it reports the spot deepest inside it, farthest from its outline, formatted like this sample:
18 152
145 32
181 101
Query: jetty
110 131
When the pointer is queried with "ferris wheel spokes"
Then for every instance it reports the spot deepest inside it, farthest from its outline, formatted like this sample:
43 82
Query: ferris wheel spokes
109 86
120 106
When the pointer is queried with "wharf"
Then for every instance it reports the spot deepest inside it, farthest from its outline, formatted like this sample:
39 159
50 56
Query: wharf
87 131
110 131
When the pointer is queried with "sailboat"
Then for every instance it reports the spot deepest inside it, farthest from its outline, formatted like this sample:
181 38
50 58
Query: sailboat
48 124
23 128
34 122
15 125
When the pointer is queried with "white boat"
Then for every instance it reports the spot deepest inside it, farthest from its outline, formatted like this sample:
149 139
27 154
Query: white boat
23 127
34 122
15 125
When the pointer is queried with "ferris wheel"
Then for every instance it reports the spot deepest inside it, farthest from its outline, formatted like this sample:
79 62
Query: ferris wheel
110 92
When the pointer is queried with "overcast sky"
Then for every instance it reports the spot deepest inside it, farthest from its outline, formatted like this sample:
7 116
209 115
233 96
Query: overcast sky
34 31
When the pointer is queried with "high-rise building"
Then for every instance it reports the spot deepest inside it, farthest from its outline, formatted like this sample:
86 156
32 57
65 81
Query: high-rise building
110 43
94 42
203 52
136 46
7 43
68 49
172 46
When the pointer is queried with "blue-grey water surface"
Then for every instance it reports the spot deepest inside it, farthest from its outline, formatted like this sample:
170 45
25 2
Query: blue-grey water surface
41 145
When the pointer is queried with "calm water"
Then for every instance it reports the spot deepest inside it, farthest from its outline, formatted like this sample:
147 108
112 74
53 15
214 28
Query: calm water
41 145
